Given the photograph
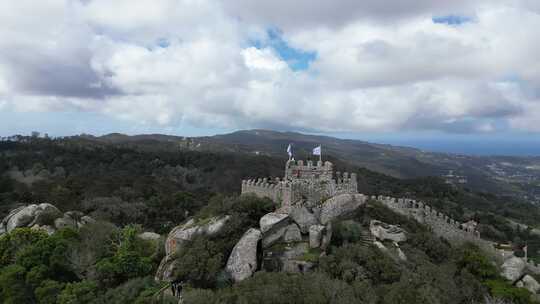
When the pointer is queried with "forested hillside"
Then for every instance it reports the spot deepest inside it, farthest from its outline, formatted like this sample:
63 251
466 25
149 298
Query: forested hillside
160 187
130 189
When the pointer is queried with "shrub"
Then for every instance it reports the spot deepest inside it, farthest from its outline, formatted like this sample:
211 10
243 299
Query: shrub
356 262
504 290
344 232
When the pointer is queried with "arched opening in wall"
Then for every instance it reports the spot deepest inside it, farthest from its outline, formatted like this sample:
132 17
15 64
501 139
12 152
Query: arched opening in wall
300 268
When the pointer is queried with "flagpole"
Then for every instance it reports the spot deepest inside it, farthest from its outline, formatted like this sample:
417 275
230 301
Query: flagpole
320 154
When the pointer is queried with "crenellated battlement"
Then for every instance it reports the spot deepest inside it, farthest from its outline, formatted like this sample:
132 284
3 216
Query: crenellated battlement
440 223
308 170
310 182
264 187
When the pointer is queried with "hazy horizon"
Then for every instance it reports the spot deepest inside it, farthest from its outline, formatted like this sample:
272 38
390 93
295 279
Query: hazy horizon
511 145
451 76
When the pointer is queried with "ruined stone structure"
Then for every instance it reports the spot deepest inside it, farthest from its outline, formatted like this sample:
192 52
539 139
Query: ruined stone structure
306 183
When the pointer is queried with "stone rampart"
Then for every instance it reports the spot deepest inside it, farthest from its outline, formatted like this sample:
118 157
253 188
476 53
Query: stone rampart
439 223
264 187
345 183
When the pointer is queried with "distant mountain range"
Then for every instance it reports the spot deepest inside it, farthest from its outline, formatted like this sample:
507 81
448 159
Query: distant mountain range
516 176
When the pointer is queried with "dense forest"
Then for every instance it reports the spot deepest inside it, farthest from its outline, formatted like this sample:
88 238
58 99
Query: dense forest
129 189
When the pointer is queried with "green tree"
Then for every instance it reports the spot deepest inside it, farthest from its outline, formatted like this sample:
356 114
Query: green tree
48 292
78 293
13 289
131 258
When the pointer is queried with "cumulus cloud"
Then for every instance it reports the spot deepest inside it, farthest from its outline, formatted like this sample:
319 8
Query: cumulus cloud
377 67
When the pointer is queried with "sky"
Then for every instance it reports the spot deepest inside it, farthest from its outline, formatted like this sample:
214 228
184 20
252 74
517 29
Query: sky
388 71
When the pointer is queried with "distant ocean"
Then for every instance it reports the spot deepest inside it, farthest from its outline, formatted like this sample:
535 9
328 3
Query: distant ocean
471 147
506 144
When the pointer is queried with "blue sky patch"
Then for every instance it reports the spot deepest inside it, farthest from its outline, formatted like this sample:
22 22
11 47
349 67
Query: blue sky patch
297 59
452 19
163 43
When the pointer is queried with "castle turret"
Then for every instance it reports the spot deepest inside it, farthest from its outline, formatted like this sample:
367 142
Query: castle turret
303 182
309 170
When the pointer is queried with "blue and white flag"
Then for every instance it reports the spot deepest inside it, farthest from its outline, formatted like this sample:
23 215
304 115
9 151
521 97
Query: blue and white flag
289 151
317 150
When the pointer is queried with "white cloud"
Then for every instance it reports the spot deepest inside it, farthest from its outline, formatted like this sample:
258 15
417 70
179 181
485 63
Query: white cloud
263 59
377 67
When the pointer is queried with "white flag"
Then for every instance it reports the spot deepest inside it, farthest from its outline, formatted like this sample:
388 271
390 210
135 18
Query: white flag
317 150
289 150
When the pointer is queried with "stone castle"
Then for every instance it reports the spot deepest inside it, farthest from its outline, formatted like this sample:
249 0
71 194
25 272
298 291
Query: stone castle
309 184
306 183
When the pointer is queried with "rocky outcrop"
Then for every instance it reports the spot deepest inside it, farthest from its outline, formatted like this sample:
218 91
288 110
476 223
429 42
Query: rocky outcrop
181 234
292 234
149 236
401 254
65 222
20 217
380 246
47 228
383 231
273 227
529 283
394 251
188 230
242 262
315 236
44 217
272 219
303 218
513 268
327 236
340 205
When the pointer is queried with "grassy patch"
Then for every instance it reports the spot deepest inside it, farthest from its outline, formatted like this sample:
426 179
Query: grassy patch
312 255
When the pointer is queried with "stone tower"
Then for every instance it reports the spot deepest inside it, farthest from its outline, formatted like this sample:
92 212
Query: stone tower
304 183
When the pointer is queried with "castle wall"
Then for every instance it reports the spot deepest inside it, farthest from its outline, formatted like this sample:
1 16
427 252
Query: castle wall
345 183
439 223
262 187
